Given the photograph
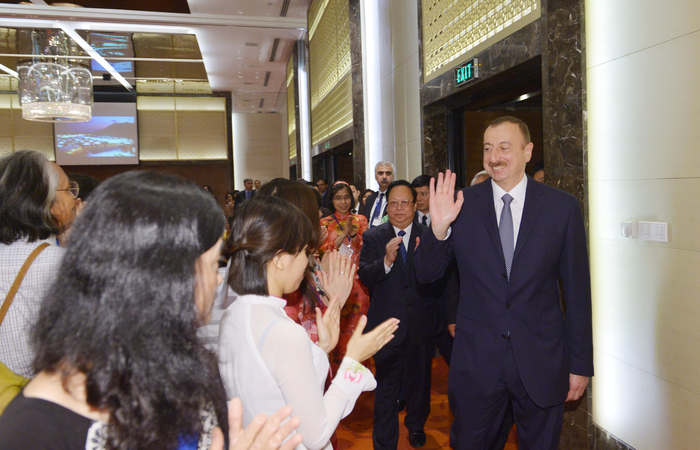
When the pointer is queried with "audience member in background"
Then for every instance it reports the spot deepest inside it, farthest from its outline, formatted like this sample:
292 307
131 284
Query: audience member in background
375 207
355 197
344 233
37 203
246 194
257 184
538 172
119 364
364 195
264 357
387 269
480 177
230 204
322 186
422 186
86 184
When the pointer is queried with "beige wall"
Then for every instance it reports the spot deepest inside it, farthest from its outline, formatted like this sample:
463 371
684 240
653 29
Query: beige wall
392 87
643 81
258 149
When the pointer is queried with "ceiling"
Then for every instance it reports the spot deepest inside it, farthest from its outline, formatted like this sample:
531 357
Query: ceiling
237 46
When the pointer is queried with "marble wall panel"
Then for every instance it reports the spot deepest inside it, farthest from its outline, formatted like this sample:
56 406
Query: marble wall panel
358 115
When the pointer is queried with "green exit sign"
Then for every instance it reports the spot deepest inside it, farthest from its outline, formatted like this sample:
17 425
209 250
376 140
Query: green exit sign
466 72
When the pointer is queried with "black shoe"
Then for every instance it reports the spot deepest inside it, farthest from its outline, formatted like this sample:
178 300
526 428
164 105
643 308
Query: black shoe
401 404
416 438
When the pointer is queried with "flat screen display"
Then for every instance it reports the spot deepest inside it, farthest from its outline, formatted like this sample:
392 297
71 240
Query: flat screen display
111 137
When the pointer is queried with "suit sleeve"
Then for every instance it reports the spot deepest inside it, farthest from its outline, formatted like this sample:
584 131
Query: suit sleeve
371 269
432 257
575 272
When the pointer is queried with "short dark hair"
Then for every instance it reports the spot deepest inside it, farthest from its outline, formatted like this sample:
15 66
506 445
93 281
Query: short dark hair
86 183
262 228
122 309
337 187
321 179
28 186
524 130
537 167
421 181
401 183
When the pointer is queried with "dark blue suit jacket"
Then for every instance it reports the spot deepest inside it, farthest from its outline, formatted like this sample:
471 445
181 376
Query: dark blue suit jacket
396 294
546 344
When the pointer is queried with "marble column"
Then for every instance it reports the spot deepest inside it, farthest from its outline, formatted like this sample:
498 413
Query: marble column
358 113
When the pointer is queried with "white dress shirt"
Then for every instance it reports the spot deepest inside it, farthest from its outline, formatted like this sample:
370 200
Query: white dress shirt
378 221
406 242
420 217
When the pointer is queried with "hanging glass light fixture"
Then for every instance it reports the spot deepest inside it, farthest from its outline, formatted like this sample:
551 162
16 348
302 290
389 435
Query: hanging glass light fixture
54 86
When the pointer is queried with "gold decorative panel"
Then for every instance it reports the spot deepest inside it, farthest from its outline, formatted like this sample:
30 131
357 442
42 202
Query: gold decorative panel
333 113
19 134
456 30
182 128
291 111
329 68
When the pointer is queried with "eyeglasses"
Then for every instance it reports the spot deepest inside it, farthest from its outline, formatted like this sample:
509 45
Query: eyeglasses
402 204
340 199
74 189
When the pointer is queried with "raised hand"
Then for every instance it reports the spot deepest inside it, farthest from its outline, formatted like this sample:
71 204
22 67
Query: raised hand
263 433
328 325
362 346
444 208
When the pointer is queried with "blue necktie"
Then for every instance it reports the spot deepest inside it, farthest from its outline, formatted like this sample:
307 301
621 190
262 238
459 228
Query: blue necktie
505 229
425 221
402 248
377 210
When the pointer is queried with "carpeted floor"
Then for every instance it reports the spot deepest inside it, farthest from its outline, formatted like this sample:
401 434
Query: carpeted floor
355 431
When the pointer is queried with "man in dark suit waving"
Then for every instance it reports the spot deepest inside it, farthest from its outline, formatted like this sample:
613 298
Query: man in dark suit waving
513 239
387 269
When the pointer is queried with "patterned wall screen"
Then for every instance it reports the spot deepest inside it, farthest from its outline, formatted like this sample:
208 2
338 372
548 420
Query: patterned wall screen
456 30
182 128
291 114
19 134
329 68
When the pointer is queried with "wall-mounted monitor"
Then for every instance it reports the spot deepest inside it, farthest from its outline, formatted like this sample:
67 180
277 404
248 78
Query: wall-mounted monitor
111 137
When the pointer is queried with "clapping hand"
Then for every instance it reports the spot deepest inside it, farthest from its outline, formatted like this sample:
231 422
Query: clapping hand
337 276
362 346
328 325
263 433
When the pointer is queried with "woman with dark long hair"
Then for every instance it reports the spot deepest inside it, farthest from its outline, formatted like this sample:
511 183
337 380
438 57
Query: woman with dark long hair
344 232
267 359
118 360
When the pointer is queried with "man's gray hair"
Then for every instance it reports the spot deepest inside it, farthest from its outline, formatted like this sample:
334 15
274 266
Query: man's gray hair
247 179
385 163
476 177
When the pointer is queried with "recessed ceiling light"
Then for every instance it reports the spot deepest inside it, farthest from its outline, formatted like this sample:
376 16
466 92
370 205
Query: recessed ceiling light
240 12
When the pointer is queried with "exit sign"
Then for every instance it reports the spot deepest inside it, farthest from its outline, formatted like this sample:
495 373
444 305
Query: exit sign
467 72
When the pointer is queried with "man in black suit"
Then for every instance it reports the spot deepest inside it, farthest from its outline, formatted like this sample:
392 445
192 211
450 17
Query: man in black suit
245 194
513 239
375 206
322 186
387 269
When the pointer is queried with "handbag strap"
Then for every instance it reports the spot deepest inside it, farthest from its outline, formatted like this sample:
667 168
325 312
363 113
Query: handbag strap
18 280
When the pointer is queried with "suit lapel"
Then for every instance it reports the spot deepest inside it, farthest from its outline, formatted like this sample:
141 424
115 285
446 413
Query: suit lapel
416 231
531 212
488 215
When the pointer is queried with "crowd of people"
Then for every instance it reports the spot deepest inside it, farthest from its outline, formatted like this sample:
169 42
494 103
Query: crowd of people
333 290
